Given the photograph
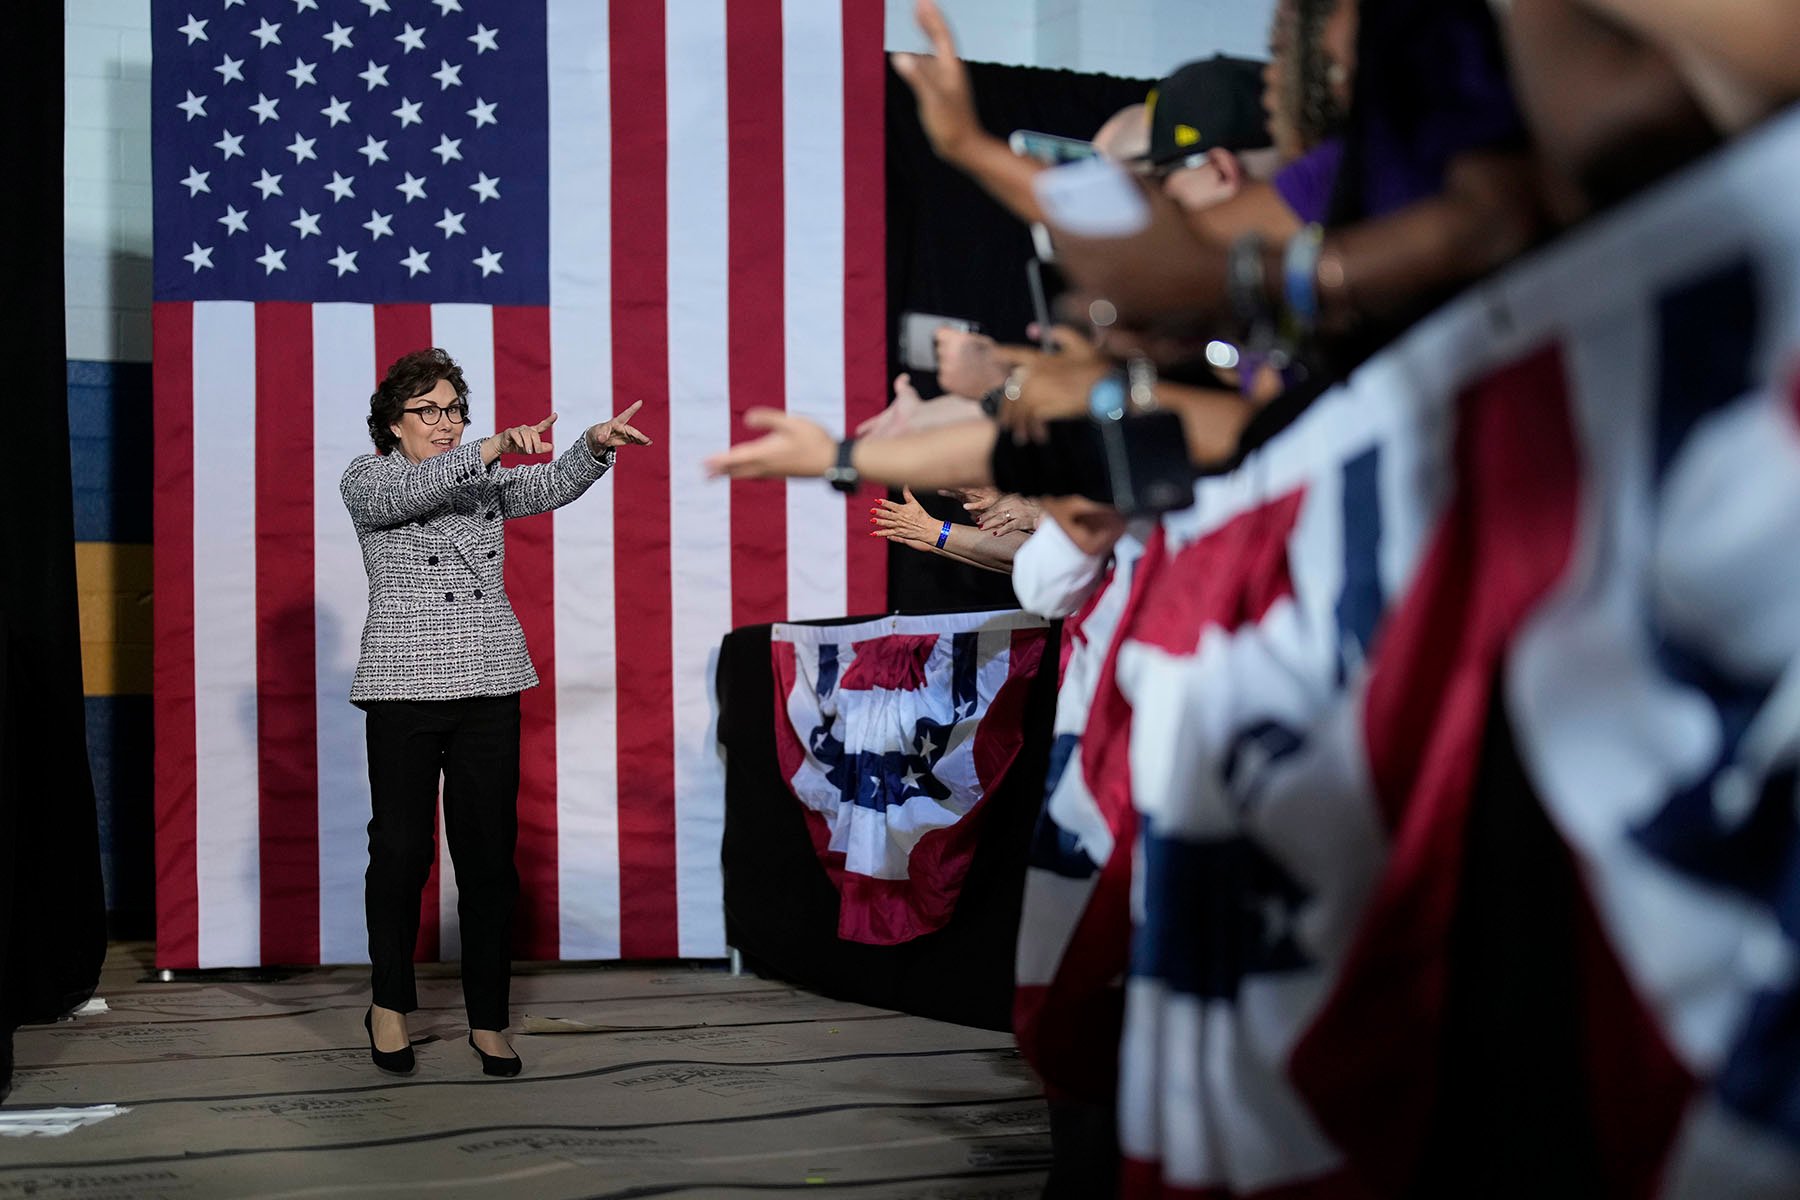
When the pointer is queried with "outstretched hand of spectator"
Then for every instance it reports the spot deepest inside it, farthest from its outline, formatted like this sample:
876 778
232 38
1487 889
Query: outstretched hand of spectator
910 414
907 523
1054 387
941 84
790 446
998 512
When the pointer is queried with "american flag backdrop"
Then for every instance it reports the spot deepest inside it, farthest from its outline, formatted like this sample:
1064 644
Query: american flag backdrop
587 205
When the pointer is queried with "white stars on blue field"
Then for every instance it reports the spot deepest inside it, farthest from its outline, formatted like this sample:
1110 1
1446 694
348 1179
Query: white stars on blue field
266 122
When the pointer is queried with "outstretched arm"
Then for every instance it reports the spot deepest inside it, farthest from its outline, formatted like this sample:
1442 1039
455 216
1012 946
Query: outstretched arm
527 491
909 524
947 112
382 492
794 447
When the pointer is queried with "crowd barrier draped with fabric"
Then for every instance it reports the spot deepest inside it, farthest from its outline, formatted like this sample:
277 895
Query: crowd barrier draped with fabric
587 205
1459 852
882 778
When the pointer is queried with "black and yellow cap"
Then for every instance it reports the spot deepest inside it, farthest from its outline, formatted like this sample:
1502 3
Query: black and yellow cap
1212 102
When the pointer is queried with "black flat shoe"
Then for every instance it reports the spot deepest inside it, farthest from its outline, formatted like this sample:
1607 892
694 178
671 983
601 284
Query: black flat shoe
492 1064
395 1062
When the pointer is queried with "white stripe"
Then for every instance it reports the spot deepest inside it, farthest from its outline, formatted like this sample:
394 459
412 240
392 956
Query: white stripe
700 425
344 374
466 332
581 351
225 715
812 51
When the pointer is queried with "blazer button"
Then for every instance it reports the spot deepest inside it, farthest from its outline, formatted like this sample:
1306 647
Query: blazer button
432 561
490 554
490 514
478 593
449 595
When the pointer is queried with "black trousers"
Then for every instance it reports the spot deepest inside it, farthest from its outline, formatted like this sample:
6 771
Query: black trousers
474 745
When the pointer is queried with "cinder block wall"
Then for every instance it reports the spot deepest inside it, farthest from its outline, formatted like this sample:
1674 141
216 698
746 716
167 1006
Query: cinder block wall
1137 39
106 261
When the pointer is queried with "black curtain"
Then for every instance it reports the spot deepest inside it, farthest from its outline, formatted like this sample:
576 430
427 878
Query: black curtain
52 908
952 250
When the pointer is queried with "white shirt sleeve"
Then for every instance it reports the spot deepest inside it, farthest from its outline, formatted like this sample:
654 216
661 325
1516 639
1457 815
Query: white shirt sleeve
1051 575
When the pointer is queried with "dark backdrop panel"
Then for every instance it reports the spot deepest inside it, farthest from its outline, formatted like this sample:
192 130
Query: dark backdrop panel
953 250
781 911
52 912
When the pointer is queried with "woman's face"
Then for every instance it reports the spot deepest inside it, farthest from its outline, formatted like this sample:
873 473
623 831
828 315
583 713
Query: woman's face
419 441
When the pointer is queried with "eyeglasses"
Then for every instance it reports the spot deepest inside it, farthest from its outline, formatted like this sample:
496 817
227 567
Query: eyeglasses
458 413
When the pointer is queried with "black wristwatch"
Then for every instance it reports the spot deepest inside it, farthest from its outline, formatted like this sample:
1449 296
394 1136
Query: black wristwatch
841 475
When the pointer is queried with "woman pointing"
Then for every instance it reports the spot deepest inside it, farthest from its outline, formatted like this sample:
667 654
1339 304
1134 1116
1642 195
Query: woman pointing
443 662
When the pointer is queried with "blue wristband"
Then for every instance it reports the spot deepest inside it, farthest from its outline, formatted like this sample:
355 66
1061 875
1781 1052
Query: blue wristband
1300 276
943 535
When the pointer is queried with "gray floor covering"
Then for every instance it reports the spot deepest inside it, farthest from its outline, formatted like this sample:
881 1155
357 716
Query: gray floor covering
692 1082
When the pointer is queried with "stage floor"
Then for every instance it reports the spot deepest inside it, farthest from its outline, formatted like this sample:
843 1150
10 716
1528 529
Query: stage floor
685 1081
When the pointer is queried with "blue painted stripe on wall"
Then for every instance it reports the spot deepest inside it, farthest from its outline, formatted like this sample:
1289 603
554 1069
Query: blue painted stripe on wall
109 450
121 757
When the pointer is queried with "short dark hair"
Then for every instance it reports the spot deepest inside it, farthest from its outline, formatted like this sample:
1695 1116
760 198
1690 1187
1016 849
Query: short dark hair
411 376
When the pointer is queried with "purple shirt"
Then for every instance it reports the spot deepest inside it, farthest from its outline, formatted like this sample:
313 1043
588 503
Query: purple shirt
1305 185
1431 84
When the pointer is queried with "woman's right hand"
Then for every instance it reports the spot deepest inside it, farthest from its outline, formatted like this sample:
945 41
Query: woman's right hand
522 439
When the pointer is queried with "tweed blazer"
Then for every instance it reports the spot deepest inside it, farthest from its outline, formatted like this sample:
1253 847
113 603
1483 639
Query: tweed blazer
440 625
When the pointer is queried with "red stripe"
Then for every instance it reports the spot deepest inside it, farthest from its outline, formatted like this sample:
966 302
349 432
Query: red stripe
399 330
641 602
1226 580
286 677
522 396
1001 733
865 273
1501 544
895 661
756 266
177 882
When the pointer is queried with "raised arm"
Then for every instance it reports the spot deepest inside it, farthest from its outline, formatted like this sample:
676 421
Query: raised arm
947 113
382 492
527 491
793 447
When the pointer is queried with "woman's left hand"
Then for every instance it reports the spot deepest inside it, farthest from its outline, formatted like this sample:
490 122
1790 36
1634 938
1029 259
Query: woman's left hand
617 432
907 523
